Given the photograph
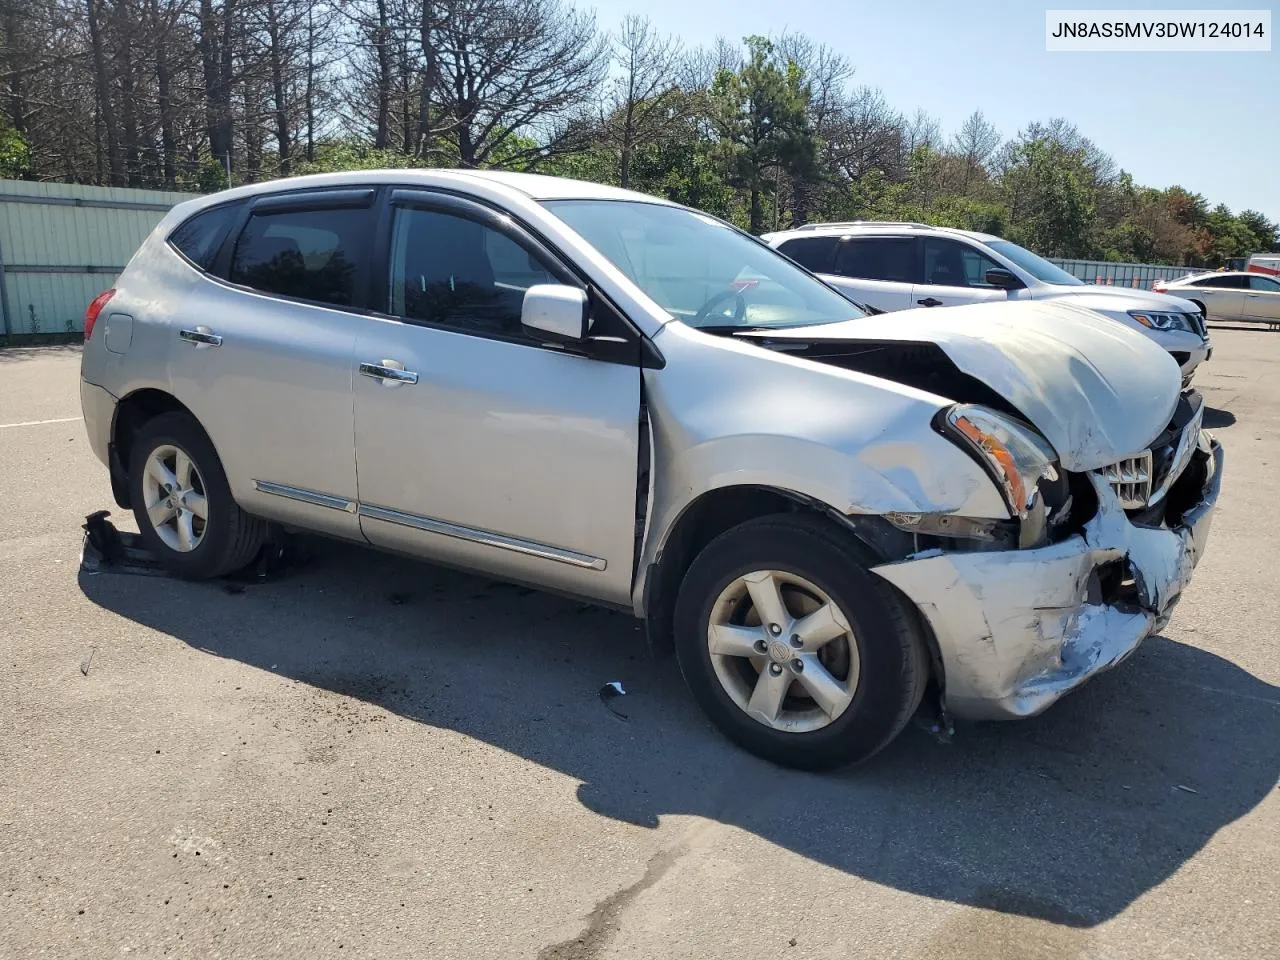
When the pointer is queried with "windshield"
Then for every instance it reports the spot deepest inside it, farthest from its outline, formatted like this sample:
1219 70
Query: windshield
1038 267
700 270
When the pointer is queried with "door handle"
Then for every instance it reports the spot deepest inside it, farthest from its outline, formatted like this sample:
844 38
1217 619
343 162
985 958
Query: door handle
201 337
390 372
929 302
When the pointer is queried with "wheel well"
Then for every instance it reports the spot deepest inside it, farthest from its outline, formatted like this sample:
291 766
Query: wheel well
701 522
131 413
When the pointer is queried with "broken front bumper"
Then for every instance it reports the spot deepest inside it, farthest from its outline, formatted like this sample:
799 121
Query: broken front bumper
1017 629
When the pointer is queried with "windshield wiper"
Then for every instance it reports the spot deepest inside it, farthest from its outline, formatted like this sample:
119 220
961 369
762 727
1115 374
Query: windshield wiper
723 328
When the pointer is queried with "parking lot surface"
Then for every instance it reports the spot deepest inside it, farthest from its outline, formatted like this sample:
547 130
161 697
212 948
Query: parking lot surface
372 757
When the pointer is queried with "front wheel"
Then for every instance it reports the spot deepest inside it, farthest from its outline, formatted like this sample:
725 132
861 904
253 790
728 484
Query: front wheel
793 648
183 504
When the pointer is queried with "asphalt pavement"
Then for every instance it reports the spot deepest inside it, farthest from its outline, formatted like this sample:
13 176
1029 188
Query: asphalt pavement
373 757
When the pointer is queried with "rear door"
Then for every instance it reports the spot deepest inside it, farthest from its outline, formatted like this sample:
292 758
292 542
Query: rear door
1262 301
953 272
878 271
263 355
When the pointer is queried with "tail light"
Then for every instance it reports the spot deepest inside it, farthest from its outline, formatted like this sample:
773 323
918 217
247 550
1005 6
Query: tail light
95 308
1160 286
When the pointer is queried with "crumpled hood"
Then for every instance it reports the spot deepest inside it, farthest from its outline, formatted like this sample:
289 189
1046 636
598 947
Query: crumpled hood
1097 390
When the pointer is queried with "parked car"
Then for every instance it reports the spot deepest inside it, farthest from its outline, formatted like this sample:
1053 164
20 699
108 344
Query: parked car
898 266
831 516
1237 297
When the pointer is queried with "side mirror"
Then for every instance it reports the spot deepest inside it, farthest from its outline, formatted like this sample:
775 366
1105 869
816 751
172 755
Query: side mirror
555 312
1004 279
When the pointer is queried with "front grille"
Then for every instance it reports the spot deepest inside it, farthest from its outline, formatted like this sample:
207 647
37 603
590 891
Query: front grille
1142 479
1197 322
1130 478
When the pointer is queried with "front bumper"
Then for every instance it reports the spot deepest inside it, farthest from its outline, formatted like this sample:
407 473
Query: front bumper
1016 629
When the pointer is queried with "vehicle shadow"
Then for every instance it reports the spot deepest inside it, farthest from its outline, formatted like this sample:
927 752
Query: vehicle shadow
1215 418
1067 818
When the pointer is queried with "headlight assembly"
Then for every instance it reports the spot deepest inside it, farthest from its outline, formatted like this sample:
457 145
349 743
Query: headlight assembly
1015 456
1162 320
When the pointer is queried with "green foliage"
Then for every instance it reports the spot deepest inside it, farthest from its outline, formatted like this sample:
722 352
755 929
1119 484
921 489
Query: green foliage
760 115
351 153
15 155
1050 203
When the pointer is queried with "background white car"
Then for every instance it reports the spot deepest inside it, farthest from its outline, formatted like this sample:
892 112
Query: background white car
1233 296
900 266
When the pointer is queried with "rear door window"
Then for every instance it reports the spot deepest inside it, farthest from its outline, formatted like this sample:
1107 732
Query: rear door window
877 258
313 254
812 253
1230 283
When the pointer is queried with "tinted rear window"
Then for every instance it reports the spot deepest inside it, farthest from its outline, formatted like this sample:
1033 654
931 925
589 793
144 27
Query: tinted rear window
199 238
308 254
812 253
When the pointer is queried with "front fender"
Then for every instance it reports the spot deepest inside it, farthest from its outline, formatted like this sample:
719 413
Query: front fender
730 414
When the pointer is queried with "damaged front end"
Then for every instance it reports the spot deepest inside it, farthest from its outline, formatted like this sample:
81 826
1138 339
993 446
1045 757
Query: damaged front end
1018 628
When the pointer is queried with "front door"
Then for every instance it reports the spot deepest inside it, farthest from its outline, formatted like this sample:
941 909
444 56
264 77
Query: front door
955 273
475 444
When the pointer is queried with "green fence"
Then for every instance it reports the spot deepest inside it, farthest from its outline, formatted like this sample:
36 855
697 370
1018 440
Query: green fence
62 244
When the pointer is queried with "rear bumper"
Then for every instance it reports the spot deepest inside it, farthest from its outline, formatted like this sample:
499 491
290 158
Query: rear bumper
99 409
1018 629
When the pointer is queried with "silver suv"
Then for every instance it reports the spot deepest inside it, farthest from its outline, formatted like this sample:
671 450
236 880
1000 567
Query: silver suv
832 516
901 266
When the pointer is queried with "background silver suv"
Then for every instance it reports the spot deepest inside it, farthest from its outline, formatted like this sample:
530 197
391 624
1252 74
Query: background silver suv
604 394
901 266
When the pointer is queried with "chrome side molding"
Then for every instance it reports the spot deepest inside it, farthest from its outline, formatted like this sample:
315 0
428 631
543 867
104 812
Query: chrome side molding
305 496
485 537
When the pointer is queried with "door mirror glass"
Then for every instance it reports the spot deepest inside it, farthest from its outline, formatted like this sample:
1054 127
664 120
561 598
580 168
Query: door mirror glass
555 312
1002 278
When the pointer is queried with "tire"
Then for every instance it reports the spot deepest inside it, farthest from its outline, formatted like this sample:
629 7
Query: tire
808 557
227 539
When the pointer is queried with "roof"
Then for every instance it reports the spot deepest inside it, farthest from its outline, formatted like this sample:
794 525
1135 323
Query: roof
1212 273
877 227
531 185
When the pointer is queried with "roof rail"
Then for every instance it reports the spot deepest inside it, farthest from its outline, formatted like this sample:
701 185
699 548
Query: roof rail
866 223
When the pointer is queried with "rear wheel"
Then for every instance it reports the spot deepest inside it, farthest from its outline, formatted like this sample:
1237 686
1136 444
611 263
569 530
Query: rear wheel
183 504
793 648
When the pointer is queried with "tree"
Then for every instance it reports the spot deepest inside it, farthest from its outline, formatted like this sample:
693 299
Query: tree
760 116
976 143
508 66
1047 189
646 101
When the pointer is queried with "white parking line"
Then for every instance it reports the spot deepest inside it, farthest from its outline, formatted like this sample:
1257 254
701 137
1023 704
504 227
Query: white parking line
36 423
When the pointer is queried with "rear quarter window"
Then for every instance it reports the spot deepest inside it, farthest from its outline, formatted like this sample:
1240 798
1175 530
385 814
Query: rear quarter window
199 237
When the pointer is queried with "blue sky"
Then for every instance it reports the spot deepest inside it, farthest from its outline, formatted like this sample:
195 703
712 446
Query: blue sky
1207 121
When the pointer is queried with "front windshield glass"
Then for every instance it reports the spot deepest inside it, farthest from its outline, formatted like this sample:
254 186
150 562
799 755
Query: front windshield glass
701 271
1038 267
